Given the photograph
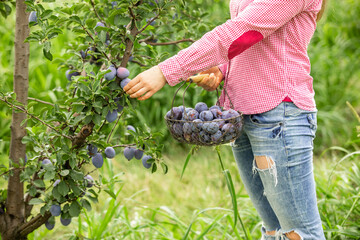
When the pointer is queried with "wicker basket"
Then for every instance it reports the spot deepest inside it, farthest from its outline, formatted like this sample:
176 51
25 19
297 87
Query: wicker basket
185 126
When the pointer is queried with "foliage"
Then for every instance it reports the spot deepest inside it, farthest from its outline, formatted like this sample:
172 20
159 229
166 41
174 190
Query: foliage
61 134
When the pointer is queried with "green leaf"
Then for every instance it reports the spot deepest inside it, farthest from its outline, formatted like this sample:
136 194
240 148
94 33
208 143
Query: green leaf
77 176
74 209
39 183
36 201
85 204
64 172
63 188
47 54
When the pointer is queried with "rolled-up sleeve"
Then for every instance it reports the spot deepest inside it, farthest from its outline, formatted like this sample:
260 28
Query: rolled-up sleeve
257 21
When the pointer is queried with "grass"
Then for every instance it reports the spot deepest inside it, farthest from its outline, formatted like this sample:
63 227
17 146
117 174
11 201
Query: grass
157 206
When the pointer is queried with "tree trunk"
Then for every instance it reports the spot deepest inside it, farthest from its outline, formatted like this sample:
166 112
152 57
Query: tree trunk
15 206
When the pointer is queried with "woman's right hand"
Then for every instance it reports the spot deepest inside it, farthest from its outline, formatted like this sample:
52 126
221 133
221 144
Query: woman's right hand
214 79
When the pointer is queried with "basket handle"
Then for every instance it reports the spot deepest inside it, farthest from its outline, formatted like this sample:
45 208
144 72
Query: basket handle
198 78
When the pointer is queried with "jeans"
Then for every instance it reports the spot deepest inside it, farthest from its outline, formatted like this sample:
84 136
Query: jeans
284 193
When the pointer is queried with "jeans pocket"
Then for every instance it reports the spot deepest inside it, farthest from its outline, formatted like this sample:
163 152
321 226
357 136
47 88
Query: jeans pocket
262 121
312 119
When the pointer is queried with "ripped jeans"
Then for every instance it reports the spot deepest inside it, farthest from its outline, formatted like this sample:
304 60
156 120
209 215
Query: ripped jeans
283 193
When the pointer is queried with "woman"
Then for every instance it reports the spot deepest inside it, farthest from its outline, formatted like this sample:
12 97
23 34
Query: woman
261 55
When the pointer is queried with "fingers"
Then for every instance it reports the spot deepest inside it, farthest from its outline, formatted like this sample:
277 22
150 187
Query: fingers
132 83
139 93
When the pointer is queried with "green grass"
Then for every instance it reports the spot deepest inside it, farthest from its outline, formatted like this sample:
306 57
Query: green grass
157 206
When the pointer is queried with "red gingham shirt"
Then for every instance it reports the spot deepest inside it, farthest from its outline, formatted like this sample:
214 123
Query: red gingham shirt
262 52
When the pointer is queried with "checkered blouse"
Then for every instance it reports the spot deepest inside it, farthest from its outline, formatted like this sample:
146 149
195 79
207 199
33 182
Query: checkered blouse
262 51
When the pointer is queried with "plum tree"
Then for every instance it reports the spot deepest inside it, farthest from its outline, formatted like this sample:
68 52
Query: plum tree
72 131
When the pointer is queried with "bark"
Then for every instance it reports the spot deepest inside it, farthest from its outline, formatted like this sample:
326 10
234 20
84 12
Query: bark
15 207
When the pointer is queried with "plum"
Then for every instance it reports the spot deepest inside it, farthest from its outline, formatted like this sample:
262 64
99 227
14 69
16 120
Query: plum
99 24
138 153
112 74
111 116
216 138
33 17
130 128
83 54
122 72
92 149
97 160
56 183
196 125
215 107
124 82
221 123
175 113
228 128
70 73
206 116
109 152
187 128
216 113
89 181
204 137
178 129
210 127
55 210
201 106
65 221
49 225
46 161
129 153
230 114
191 114
144 161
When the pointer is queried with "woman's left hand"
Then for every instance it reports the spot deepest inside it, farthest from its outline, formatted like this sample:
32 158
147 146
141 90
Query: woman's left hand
144 85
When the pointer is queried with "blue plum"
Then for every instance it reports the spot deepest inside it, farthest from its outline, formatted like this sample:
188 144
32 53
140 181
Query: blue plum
97 160
190 114
129 153
49 225
110 152
206 116
144 161
89 181
197 125
56 183
138 153
130 128
70 73
178 129
33 17
110 75
111 116
228 128
216 138
210 127
124 82
187 128
65 221
201 106
55 210
46 161
92 149
122 73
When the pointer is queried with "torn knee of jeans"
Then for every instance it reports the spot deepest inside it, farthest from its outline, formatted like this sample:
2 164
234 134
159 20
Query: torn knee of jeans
264 164
289 235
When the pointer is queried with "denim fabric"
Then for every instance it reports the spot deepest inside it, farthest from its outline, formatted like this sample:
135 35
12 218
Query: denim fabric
284 195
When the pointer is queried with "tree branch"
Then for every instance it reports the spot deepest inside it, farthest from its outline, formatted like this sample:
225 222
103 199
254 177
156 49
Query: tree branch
112 130
96 13
41 101
33 224
149 42
22 109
